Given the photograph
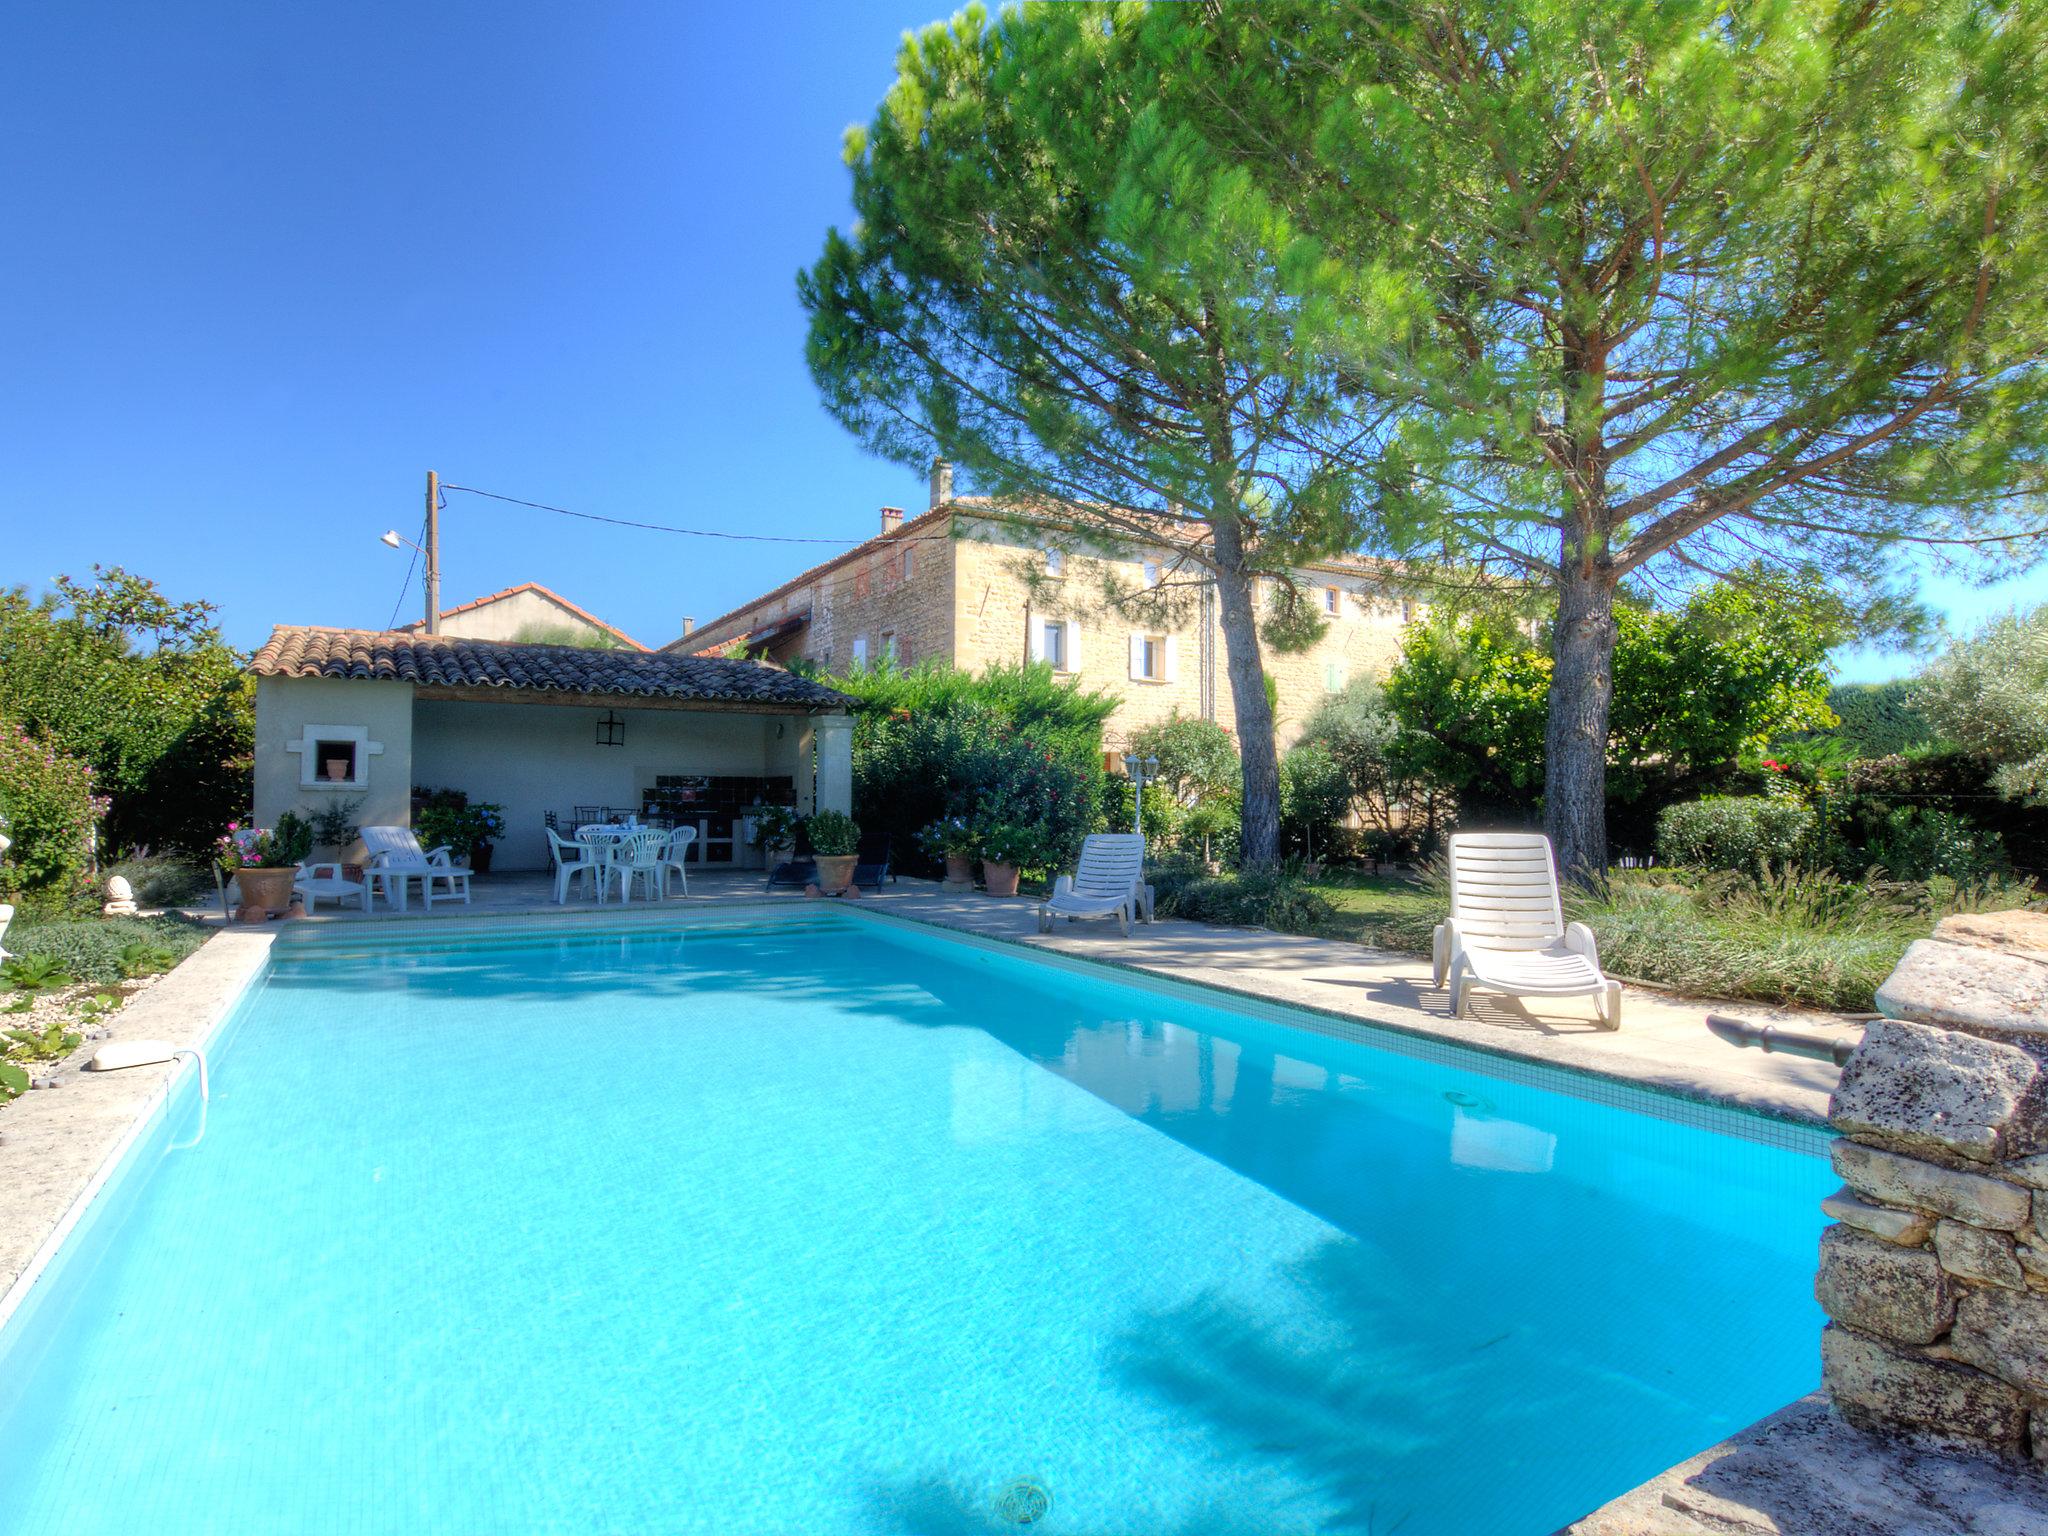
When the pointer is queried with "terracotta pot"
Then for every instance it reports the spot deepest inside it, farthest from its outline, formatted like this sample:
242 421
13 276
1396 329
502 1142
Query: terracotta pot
270 889
337 769
959 870
835 871
1000 878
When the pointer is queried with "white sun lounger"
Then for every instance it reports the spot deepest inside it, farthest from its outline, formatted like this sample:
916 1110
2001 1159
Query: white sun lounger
1108 882
395 856
1507 931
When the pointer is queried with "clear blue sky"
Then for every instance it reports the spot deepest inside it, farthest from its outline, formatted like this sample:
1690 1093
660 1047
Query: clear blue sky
268 264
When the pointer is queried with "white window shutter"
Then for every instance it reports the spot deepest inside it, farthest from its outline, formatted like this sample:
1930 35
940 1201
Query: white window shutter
1034 634
1073 645
860 648
1137 656
1172 673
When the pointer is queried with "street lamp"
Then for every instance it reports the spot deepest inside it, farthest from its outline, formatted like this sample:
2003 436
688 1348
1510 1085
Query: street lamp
1140 769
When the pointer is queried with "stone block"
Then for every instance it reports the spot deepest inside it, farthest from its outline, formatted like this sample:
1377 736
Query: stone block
2021 933
1878 1287
1971 1253
2030 1171
2005 1333
1988 992
1940 1090
1907 1228
1878 1388
1895 1179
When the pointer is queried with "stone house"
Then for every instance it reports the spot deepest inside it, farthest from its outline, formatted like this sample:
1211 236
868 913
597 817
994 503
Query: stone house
973 583
365 717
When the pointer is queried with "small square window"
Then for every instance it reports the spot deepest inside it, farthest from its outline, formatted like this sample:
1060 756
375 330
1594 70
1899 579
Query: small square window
334 762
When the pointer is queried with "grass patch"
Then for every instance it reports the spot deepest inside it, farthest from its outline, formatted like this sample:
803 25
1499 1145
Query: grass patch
107 949
1814 940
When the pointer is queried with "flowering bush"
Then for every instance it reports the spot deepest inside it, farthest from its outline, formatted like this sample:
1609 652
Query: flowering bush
1022 843
448 818
279 847
47 805
948 837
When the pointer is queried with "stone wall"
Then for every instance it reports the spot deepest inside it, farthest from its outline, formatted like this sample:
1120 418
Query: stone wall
1934 1276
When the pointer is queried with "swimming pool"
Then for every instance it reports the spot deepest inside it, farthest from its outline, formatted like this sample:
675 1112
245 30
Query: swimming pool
826 1225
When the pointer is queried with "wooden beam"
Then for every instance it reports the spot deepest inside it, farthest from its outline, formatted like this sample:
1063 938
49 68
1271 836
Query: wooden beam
440 694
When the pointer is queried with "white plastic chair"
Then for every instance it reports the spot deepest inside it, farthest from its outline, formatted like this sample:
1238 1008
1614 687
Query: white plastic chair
676 857
571 860
313 881
1108 882
638 855
1507 932
395 856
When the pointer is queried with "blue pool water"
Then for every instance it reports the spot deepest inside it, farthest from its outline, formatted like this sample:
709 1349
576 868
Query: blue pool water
836 1228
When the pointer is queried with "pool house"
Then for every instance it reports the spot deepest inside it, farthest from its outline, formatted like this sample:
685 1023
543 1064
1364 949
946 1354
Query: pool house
542 730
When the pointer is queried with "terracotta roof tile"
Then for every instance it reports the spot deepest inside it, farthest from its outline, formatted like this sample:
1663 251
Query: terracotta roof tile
448 661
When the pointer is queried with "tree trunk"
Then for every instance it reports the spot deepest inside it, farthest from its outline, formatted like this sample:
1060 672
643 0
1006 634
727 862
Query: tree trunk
1575 745
1258 756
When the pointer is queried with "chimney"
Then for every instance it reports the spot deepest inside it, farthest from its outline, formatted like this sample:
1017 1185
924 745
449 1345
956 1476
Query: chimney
942 482
892 519
689 627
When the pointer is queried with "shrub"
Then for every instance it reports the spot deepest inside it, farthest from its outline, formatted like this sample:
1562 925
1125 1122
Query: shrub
1951 781
49 809
1918 844
1276 899
1878 719
1315 795
832 833
102 949
1746 832
165 880
1008 745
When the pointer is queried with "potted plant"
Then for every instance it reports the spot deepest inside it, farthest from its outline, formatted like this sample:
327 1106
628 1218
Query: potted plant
264 862
835 843
774 830
1006 847
334 829
950 840
446 817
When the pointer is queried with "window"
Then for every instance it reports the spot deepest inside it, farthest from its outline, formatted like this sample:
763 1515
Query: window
1054 643
334 762
334 756
860 649
1152 658
888 645
1151 573
909 562
1055 563
1333 677
1407 610
1333 600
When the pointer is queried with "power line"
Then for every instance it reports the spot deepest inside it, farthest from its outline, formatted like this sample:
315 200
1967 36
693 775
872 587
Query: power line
624 522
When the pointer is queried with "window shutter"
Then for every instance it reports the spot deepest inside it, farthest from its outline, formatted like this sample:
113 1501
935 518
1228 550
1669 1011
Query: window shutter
1137 656
1073 645
860 648
1172 673
1034 635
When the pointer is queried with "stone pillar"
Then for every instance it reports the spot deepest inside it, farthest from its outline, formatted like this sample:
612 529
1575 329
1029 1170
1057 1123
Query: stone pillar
1935 1275
835 763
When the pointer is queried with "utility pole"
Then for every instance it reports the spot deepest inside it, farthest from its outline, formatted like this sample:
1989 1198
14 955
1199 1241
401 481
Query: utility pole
433 552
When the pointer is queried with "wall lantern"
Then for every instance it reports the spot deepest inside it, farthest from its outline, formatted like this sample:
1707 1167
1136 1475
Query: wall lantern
611 731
